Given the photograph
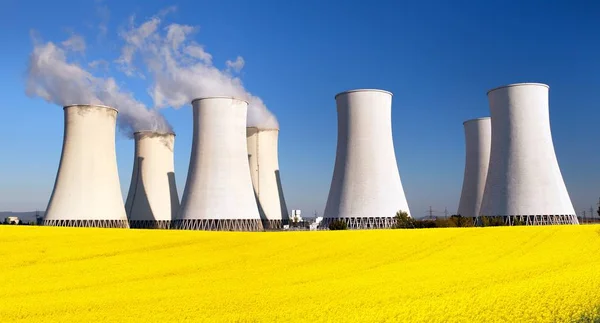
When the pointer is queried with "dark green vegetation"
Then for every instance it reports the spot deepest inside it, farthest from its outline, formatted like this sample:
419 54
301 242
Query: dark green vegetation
403 221
338 225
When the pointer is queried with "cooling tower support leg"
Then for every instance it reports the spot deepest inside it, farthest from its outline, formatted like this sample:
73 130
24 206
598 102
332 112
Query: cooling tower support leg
219 225
274 224
511 220
362 223
88 223
150 224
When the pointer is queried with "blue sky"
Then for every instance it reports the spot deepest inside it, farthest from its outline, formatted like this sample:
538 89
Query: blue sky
438 59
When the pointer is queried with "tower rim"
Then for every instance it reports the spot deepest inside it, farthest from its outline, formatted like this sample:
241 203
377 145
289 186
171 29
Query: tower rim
476 119
363 90
518 84
89 106
218 97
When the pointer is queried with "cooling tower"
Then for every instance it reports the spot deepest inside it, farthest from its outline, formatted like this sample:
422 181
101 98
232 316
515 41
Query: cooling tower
524 183
264 171
218 193
366 191
87 191
478 138
152 201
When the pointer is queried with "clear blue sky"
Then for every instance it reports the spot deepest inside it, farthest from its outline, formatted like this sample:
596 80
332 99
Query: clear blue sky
438 59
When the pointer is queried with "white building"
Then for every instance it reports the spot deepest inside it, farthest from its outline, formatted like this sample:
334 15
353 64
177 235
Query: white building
266 178
315 225
478 138
87 191
296 216
524 181
12 220
366 191
218 193
152 201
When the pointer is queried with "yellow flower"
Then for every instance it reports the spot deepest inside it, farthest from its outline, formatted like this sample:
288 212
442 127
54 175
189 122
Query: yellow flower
496 274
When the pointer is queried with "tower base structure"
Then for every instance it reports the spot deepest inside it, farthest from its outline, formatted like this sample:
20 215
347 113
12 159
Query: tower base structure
362 223
524 184
532 219
218 225
150 224
88 223
274 224
366 181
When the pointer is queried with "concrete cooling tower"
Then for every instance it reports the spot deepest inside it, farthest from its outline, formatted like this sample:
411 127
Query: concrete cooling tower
87 191
366 191
478 138
524 182
218 193
264 171
152 201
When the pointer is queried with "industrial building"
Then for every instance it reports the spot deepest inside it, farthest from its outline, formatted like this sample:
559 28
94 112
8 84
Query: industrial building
524 182
478 138
218 194
296 216
86 191
12 220
152 201
266 179
366 191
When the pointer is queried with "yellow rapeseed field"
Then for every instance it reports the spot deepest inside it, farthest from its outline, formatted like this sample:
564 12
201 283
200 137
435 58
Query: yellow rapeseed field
502 274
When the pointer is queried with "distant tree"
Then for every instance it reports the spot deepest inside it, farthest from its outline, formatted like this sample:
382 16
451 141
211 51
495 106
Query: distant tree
460 221
425 224
492 221
403 221
498 221
444 222
484 221
338 225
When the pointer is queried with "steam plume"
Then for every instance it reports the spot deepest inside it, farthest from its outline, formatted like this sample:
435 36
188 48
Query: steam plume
53 78
182 70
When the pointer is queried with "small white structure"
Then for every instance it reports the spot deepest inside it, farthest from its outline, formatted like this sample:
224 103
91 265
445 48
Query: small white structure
315 225
87 191
478 138
524 182
152 201
218 193
296 216
266 179
366 191
12 220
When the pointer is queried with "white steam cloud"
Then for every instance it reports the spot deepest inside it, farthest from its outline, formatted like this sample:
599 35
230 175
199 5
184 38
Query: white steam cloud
52 77
75 43
182 70
236 65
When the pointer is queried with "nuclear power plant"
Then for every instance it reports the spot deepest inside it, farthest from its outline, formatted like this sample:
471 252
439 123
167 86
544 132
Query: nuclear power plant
366 191
218 193
152 201
234 184
478 137
87 191
524 183
266 180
